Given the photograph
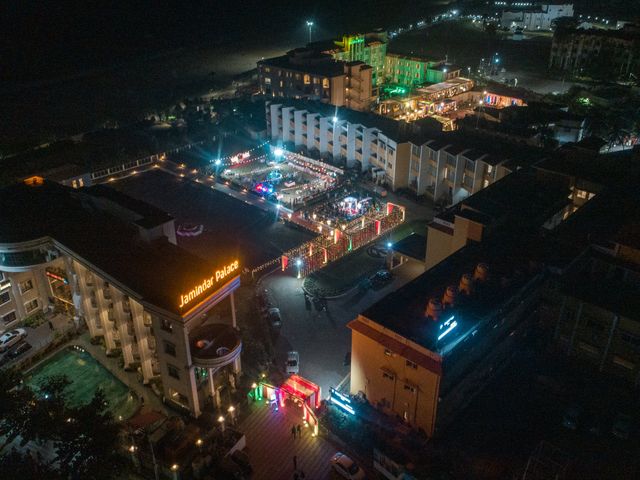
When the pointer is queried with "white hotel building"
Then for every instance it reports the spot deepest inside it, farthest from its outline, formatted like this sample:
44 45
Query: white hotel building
112 262
445 166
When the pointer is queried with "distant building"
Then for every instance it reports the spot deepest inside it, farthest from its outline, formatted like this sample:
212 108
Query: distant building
305 73
112 263
536 16
410 70
369 48
604 53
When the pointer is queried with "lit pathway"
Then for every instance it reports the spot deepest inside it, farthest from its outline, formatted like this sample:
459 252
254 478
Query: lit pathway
271 446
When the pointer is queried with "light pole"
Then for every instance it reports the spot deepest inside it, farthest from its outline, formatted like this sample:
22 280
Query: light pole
480 103
232 414
299 264
174 469
221 421
310 26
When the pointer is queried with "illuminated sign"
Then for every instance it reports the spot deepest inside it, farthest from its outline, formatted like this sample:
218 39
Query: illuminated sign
447 326
208 283
341 401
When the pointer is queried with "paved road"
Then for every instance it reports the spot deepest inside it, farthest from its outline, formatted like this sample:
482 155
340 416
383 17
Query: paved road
322 338
271 446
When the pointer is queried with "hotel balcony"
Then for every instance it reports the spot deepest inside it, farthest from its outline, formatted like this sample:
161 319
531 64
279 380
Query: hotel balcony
214 345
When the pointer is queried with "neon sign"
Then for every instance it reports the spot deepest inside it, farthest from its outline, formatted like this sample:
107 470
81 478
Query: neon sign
207 283
341 401
450 325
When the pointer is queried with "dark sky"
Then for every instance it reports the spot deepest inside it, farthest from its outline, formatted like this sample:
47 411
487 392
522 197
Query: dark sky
42 36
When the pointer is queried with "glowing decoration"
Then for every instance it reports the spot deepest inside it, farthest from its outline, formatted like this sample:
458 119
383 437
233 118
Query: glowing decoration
264 188
208 283
448 326
57 277
278 152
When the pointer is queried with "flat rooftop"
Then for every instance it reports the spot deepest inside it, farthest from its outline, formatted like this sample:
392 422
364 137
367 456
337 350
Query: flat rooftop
158 272
317 64
231 227
510 268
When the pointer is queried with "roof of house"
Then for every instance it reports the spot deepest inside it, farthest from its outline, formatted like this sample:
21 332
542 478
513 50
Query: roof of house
313 63
413 246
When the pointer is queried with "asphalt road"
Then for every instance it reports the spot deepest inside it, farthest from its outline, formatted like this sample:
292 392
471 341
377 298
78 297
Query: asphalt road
322 338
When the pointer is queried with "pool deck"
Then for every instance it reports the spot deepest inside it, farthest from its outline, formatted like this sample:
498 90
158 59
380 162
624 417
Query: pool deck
130 379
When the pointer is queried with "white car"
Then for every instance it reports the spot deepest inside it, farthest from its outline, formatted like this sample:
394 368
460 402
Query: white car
8 339
346 467
293 362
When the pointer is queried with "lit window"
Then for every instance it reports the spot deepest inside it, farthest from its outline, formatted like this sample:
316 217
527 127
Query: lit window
325 83
307 79
489 168
166 325
388 352
267 81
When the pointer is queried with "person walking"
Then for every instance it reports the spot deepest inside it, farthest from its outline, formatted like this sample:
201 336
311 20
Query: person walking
293 432
299 430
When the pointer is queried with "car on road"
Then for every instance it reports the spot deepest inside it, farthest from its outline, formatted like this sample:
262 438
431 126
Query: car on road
293 362
9 339
274 317
346 467
19 350
381 278
622 426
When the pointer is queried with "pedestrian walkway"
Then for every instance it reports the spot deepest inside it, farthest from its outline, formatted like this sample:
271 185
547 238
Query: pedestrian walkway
271 445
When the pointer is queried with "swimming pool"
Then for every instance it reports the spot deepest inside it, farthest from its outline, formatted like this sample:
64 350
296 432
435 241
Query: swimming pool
86 375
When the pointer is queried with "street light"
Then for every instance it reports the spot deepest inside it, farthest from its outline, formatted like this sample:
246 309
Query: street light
174 469
310 26
221 421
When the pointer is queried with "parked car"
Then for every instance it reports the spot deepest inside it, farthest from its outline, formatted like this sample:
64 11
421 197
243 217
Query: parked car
274 316
622 426
381 278
19 350
571 417
293 362
346 467
9 339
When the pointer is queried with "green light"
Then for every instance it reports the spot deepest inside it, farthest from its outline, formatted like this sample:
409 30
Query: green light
350 244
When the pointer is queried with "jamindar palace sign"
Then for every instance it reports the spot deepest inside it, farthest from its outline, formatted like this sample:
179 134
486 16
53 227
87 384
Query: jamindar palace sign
208 283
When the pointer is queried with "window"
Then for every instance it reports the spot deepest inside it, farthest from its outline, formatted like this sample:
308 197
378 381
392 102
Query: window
410 364
409 388
4 298
31 306
489 168
415 150
173 371
307 79
267 81
388 352
267 69
9 317
170 348
581 194
316 80
485 183
388 375
325 83
166 325
25 286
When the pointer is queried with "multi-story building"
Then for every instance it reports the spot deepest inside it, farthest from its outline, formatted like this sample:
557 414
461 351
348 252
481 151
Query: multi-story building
374 143
305 73
445 167
538 16
111 262
410 70
369 48
607 53
425 350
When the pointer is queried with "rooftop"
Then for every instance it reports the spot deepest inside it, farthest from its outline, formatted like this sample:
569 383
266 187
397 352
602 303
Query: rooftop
510 268
157 272
307 61
413 246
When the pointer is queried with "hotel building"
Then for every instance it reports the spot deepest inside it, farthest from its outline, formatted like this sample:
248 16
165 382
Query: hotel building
537 16
369 48
410 71
306 74
425 350
112 263
445 166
